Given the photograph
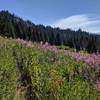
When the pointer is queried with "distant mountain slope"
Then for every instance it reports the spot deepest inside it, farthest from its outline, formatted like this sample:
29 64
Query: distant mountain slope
15 27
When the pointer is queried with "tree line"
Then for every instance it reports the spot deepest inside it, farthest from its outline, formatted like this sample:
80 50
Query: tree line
16 27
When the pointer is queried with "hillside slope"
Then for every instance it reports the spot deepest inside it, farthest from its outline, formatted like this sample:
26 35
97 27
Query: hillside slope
15 27
41 72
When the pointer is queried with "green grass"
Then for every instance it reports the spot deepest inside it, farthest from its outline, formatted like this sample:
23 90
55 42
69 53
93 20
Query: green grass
54 76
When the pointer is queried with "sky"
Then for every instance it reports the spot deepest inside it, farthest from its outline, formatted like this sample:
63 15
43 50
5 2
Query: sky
72 14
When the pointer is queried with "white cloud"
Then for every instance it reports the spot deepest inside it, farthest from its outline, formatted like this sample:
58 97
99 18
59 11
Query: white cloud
75 22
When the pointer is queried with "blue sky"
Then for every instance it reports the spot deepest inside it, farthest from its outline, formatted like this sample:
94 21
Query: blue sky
73 14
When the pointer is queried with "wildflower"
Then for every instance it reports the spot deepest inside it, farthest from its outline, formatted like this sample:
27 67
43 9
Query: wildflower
97 86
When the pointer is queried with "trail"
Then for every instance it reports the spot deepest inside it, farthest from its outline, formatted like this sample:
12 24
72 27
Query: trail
24 89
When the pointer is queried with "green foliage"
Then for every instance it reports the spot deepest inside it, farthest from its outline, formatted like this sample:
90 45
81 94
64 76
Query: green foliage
53 76
8 74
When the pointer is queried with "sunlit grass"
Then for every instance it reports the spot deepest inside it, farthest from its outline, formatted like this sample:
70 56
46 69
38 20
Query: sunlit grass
54 75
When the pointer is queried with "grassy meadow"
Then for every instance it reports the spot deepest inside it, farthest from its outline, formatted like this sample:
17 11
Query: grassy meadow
40 72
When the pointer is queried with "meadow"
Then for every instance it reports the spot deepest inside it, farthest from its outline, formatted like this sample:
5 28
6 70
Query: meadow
31 71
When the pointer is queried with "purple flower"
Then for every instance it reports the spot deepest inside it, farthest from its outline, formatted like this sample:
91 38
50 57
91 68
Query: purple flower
97 86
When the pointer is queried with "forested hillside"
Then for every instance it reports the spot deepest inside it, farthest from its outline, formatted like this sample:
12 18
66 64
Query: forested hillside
15 27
